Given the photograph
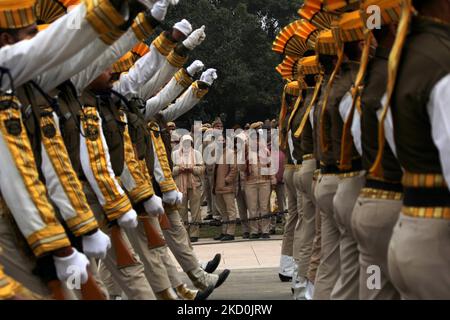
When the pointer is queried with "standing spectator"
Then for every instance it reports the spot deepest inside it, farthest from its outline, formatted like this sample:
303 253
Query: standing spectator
257 182
208 142
224 189
188 171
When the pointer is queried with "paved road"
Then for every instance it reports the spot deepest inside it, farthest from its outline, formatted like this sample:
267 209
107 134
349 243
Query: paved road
252 284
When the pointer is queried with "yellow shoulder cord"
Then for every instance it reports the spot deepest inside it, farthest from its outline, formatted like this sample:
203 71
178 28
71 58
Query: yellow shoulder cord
299 130
347 141
394 58
323 144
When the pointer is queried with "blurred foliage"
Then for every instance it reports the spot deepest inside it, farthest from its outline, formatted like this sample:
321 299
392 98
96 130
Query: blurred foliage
238 44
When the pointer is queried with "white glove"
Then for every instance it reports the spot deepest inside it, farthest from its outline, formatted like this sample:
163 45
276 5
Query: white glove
75 264
195 38
209 76
184 27
128 220
179 198
159 10
154 206
170 197
195 67
96 245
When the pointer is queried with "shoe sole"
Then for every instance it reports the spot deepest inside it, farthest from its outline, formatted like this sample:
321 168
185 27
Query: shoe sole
213 264
222 277
203 295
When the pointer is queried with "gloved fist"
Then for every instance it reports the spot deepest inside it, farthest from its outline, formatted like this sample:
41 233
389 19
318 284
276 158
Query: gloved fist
128 220
170 197
154 206
96 245
75 264
179 198
195 38
195 67
184 27
209 76
159 10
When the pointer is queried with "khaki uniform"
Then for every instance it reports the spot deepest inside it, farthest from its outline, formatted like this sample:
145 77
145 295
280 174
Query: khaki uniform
317 241
192 202
287 247
131 279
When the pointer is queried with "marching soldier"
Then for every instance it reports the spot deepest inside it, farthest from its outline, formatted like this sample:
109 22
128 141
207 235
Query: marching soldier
417 117
351 177
291 94
176 237
382 193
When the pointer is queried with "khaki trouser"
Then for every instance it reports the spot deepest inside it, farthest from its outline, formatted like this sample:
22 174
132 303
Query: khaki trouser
112 287
242 209
206 195
16 263
177 240
419 258
155 269
292 215
316 249
296 246
373 221
258 197
280 191
132 278
227 205
347 285
328 271
212 206
192 200
307 228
